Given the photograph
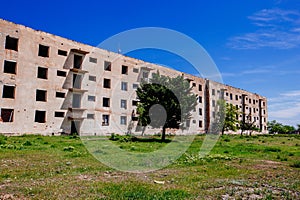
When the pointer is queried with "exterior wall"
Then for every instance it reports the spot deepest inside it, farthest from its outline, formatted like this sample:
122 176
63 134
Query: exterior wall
87 117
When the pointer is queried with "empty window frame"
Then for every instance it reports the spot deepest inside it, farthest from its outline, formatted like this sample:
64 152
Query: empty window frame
43 51
230 96
77 78
7 114
11 43
106 102
91 98
90 116
135 70
40 116
76 100
123 120
135 86
200 87
135 102
236 97
105 120
213 103
10 67
124 86
93 60
145 74
41 95
8 91
61 73
194 84
42 73
59 114
200 123
200 111
213 92
200 99
107 66
60 94
124 69
62 52
77 62
124 103
106 83
92 78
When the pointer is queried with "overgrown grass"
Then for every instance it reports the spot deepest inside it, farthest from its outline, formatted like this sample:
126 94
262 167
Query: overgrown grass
44 167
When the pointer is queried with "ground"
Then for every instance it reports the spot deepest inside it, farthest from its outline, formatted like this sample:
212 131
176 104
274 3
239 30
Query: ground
256 167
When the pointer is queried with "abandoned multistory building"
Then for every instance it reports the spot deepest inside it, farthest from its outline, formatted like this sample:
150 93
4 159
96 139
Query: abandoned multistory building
52 85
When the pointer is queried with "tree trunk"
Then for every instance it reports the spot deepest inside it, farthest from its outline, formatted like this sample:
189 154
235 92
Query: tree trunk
163 136
223 129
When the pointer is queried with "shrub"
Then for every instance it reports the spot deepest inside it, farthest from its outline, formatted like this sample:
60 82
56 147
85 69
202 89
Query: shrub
69 148
296 164
27 143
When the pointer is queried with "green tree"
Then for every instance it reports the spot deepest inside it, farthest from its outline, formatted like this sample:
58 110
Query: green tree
230 122
248 125
174 97
276 127
298 129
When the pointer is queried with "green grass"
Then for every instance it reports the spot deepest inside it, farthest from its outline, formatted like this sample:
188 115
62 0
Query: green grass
44 167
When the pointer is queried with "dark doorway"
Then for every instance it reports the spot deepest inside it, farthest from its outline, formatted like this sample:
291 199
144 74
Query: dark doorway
75 127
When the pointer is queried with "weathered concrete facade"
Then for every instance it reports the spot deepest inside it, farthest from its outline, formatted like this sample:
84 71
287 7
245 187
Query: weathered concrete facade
52 85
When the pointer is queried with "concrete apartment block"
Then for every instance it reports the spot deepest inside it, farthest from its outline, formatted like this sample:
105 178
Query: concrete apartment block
52 85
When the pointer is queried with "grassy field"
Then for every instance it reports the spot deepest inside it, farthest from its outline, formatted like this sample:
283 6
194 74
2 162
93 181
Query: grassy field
257 167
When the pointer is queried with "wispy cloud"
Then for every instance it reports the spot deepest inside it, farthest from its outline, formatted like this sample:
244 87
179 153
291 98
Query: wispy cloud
277 28
286 107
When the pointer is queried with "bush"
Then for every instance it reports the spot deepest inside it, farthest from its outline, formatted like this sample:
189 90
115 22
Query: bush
27 143
296 164
69 148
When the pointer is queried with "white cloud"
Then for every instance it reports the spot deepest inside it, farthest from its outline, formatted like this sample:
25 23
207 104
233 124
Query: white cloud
286 107
277 28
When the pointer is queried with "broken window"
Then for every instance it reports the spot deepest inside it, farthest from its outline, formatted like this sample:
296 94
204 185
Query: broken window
8 91
200 87
124 69
59 114
41 95
7 115
105 102
76 101
213 103
42 73
124 86
106 83
213 92
123 103
135 70
93 60
135 102
105 119
62 52
200 99
10 67
135 86
200 123
92 78
61 73
91 98
40 116
90 116
43 51
60 94
123 120
200 111
107 66
77 81
11 43
77 61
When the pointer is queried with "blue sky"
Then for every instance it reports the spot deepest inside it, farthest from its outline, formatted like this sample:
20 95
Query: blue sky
254 43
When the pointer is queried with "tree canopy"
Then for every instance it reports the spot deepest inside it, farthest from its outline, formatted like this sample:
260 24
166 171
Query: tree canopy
276 127
165 102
